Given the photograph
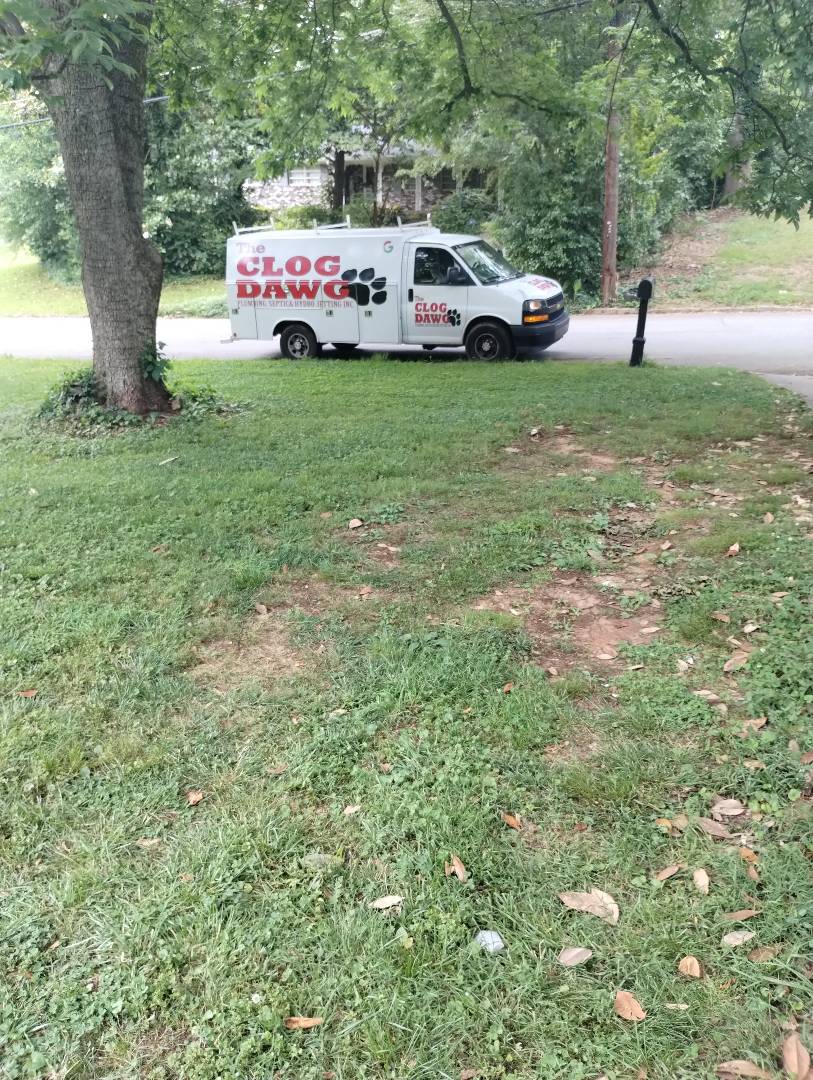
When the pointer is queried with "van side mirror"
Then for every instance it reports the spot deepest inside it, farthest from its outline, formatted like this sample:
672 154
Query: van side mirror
456 276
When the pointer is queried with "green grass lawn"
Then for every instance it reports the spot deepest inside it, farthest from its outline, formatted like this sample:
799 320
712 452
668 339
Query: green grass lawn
757 261
25 289
347 709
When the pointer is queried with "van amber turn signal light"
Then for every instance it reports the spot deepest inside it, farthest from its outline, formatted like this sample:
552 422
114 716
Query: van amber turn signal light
535 318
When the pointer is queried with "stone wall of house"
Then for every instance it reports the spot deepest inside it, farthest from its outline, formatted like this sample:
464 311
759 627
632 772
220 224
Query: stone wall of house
279 195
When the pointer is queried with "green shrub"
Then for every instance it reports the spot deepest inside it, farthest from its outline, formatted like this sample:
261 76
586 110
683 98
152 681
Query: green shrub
464 212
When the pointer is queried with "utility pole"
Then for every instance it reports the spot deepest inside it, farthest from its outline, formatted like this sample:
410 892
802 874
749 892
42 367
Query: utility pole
609 225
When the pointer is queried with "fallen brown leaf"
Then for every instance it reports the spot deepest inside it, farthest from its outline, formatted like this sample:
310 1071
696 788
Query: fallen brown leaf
701 881
714 828
708 696
768 518
193 797
302 1023
457 868
261 609
355 523
733 550
726 809
628 1007
795 1058
806 758
27 693
749 856
691 967
596 902
666 545
721 616
752 873
509 686
387 903
385 767
741 915
753 724
750 628
573 955
512 821
741 1067
350 810
753 764
736 661
278 770
737 937
469 1074
764 952
669 871
148 843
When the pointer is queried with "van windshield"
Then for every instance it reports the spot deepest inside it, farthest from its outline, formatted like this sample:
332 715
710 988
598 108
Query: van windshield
488 265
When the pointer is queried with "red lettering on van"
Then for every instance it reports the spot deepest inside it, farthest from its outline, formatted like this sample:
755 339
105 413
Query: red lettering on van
303 290
248 265
336 290
327 265
247 290
274 290
297 266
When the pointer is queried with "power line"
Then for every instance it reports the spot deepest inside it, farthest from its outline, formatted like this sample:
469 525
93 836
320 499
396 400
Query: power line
47 119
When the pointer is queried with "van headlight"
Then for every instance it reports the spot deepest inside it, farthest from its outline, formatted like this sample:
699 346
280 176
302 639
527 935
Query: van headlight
532 312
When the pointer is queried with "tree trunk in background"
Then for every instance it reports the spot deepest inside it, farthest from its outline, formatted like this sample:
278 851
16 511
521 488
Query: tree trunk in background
735 175
102 135
338 180
609 226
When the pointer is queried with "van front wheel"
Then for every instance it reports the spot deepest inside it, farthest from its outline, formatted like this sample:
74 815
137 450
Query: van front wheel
489 341
298 342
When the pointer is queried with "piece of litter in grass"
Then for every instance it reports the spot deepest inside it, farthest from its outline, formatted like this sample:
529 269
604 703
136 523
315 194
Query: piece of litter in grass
737 937
489 941
675 1005
387 903
168 460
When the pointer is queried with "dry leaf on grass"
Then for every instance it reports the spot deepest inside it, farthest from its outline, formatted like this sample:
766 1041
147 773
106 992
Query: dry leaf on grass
753 724
708 696
701 881
733 550
669 871
750 628
768 518
721 616
511 820
278 770
27 693
628 1007
350 810
732 1069
148 843
509 686
573 955
763 953
302 1023
691 967
727 809
714 828
596 902
807 758
457 868
737 937
469 1074
749 856
355 523
795 1058
736 661
193 797
261 609
387 903
741 915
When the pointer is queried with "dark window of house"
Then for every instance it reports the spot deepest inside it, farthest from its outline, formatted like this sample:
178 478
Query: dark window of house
445 179
432 266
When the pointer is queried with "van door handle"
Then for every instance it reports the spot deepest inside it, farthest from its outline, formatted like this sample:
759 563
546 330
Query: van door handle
409 295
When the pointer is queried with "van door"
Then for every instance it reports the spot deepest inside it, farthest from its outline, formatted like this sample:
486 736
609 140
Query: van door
438 286
243 314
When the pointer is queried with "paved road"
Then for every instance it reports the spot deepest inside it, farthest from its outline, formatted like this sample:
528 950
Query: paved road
776 344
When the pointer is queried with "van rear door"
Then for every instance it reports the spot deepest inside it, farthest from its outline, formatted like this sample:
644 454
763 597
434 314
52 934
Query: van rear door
437 292
243 314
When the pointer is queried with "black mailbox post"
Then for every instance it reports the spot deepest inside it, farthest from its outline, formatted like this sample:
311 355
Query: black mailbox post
643 294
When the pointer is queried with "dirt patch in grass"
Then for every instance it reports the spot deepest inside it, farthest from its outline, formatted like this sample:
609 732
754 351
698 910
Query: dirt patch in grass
315 596
535 450
263 654
572 621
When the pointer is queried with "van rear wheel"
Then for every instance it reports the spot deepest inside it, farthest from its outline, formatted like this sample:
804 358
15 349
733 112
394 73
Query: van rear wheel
489 341
298 342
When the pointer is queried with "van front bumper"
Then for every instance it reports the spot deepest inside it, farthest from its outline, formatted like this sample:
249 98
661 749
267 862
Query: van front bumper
540 335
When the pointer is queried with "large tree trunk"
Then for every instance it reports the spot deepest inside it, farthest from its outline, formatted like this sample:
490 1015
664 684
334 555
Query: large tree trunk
102 135
609 227
338 179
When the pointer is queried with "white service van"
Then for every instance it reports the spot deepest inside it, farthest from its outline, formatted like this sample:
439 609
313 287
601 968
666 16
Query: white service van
406 285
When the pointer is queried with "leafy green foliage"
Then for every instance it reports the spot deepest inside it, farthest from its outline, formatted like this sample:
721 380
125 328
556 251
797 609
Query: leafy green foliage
465 211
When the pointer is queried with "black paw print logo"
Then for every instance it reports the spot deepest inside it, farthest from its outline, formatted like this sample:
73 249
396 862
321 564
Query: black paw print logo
360 289
453 317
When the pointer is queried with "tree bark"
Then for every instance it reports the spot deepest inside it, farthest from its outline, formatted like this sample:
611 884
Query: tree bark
338 180
609 228
101 131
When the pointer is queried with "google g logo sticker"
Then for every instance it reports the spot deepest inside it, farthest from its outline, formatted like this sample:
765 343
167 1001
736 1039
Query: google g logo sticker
388 246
